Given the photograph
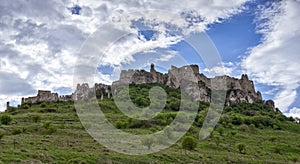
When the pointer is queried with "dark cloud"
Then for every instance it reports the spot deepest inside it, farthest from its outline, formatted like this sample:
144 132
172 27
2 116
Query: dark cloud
12 85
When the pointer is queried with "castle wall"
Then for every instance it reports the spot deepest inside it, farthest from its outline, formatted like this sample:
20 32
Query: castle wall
238 90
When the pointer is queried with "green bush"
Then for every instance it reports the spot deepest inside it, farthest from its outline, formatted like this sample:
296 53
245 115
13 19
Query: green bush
189 143
5 119
242 148
237 120
43 105
121 124
25 106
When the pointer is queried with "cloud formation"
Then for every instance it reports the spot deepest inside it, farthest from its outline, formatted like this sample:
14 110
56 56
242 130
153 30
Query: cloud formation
40 40
275 61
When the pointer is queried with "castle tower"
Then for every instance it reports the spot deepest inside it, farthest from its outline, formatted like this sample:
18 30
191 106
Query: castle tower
152 70
23 100
7 105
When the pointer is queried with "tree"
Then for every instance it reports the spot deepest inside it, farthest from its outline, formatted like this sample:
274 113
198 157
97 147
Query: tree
148 141
189 143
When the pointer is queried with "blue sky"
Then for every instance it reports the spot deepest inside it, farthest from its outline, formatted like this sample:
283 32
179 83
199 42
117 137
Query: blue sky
41 42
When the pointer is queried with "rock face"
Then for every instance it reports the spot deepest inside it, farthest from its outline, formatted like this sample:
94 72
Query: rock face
237 90
270 103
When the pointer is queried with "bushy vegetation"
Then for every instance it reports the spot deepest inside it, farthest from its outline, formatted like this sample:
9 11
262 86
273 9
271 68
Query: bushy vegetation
189 143
52 133
5 118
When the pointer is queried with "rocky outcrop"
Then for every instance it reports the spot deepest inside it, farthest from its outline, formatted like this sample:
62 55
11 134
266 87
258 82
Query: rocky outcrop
238 90
271 104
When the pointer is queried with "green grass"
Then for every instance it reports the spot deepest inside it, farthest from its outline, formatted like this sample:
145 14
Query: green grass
28 140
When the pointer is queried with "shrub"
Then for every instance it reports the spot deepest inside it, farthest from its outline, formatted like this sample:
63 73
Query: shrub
237 120
241 147
121 124
43 105
5 119
189 143
26 106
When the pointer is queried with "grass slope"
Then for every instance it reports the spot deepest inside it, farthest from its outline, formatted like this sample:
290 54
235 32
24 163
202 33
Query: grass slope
52 133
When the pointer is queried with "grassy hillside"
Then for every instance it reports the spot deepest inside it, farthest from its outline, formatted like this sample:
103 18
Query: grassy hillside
52 133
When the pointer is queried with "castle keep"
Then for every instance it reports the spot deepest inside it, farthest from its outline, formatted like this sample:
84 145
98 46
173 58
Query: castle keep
238 90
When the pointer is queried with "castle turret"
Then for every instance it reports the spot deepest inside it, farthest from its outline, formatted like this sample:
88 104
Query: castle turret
7 105
152 69
22 100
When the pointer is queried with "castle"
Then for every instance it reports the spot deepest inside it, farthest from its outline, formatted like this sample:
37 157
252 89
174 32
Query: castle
238 90
47 96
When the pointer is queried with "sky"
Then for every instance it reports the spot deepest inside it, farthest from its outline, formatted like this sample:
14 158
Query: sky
41 41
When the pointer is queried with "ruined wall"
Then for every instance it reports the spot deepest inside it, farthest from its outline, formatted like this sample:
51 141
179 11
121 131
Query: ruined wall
238 90
46 96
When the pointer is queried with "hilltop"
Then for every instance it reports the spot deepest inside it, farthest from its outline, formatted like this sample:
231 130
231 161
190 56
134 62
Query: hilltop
50 132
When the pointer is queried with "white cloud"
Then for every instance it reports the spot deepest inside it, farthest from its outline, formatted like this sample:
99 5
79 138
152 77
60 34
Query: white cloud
40 40
276 60
294 112
169 55
223 69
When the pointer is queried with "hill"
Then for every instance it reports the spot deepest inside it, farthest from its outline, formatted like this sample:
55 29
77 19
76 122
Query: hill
50 132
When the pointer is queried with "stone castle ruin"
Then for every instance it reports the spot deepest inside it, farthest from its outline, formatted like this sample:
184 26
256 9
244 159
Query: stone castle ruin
47 96
238 90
